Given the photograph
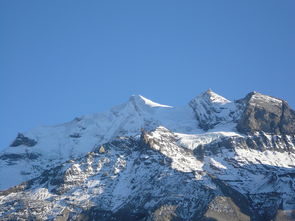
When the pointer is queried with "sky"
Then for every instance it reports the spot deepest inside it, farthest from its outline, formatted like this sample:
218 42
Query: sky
62 59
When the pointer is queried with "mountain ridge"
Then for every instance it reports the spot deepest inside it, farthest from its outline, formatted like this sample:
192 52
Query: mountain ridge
234 159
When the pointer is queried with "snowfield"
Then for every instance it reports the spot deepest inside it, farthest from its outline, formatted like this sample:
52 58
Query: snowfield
146 161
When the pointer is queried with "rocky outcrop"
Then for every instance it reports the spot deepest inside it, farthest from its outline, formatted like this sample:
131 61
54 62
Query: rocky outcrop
23 140
159 172
287 123
224 209
156 176
267 114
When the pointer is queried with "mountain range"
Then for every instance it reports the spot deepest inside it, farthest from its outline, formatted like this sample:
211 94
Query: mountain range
213 159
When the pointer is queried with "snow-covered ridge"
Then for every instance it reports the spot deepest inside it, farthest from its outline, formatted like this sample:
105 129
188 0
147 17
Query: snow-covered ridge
261 98
45 147
211 96
212 109
139 99
144 160
160 168
52 145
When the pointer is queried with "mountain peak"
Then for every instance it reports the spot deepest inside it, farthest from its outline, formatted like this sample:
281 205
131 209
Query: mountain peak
266 113
126 163
141 100
210 109
212 97
256 97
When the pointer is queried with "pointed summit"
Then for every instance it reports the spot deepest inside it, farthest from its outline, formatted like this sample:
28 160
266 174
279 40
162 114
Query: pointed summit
210 109
140 100
211 96
209 91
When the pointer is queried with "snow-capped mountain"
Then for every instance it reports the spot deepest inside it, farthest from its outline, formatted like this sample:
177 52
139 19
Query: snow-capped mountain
44 147
213 159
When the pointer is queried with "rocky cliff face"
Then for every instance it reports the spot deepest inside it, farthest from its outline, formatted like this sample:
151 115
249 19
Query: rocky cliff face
267 114
240 169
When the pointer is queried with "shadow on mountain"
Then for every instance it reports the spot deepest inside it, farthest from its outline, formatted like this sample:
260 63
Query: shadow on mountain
154 190
222 203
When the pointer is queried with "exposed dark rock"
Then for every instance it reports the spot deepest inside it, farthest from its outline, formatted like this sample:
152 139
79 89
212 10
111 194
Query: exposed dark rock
239 200
287 123
12 157
75 135
199 152
158 176
64 216
285 215
23 140
122 215
224 208
16 189
267 114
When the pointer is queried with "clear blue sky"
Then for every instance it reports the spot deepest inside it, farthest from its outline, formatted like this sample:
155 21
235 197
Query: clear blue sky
61 59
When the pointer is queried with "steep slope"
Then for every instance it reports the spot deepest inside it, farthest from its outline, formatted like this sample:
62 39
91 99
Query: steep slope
45 147
212 109
211 160
265 113
161 176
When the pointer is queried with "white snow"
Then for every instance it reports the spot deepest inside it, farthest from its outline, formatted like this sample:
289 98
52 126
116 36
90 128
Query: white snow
57 144
192 141
211 96
112 179
265 98
217 164
183 161
267 157
149 102
213 110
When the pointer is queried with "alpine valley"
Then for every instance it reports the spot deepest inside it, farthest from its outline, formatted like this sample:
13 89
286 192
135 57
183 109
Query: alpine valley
213 159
